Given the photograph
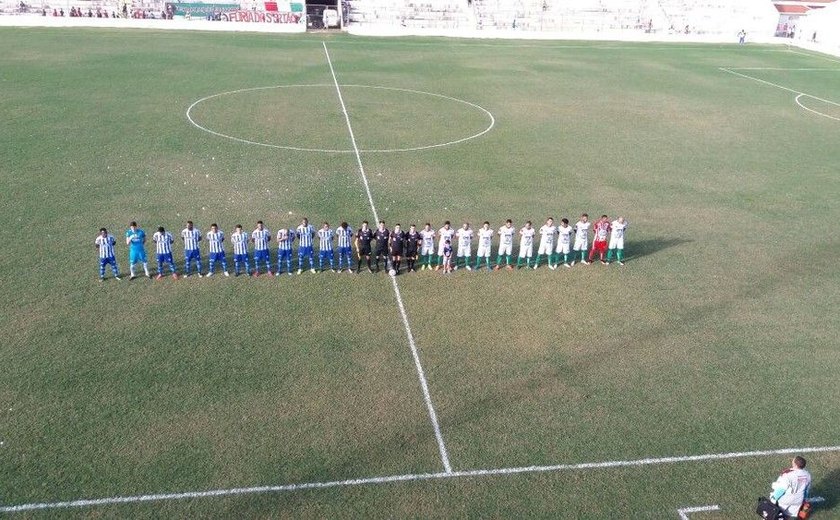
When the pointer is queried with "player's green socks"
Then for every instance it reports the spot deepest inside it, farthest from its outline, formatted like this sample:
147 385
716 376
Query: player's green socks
507 259
566 258
609 255
620 254
499 260
536 261
583 256
519 262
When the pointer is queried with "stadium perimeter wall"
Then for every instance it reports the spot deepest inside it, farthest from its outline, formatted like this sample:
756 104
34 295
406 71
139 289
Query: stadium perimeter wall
830 47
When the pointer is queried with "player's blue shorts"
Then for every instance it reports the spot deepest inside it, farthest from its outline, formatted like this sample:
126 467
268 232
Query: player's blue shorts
105 261
343 251
218 257
260 254
136 256
327 253
165 257
192 254
305 251
239 258
284 254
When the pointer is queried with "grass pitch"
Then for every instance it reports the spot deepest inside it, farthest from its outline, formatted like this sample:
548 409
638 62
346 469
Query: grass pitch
719 335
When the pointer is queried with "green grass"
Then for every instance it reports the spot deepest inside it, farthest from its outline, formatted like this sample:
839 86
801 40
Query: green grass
719 334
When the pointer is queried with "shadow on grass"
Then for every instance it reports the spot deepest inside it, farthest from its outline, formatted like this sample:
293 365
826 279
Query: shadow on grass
653 245
827 488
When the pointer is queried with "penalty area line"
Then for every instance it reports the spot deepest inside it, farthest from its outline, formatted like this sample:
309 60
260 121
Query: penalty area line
409 478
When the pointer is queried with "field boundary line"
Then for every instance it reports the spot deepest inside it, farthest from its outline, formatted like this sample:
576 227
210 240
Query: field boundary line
421 375
730 71
656 461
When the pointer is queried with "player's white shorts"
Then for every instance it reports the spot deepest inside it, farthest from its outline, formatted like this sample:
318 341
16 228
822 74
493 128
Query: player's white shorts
427 249
526 251
563 248
505 249
440 247
483 251
581 244
545 248
464 250
616 243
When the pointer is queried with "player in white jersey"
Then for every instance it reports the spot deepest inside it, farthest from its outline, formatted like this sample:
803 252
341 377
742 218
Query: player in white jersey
792 488
191 237
163 248
104 244
427 248
285 239
617 229
305 233
581 238
445 235
344 233
261 237
465 236
215 241
526 245
239 239
506 234
325 246
564 241
485 242
548 232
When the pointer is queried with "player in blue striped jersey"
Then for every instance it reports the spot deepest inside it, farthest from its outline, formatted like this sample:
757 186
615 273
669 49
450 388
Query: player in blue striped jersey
305 233
191 237
105 244
345 236
215 239
163 248
285 239
261 237
239 239
325 246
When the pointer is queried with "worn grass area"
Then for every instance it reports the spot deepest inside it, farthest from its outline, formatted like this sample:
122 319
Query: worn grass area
718 335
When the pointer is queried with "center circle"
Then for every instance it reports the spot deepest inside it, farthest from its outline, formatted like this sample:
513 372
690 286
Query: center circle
384 119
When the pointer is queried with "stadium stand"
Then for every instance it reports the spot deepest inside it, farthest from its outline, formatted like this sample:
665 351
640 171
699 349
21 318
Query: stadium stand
590 16
720 16
819 28
436 14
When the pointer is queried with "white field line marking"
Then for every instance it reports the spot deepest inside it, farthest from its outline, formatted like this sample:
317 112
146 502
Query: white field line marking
730 71
684 512
812 110
816 500
813 55
412 478
328 150
444 456
451 43
785 69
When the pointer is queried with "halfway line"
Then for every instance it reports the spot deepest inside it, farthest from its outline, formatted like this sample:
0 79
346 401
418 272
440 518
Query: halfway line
410 478
444 456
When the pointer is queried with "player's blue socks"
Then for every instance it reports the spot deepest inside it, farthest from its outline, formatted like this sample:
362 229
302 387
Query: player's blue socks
236 267
114 269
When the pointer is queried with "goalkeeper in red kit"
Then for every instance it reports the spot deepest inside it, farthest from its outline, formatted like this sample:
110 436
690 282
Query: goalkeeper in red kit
602 233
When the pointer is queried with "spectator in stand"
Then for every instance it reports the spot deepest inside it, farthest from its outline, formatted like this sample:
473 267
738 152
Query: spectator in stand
55 13
61 12
741 37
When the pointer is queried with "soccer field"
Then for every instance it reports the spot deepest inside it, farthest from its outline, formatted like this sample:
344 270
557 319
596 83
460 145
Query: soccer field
686 378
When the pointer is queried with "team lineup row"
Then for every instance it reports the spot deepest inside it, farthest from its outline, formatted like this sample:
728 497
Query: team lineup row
563 242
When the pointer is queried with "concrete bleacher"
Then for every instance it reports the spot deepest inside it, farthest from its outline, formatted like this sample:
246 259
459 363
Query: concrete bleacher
720 16
437 14
572 16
